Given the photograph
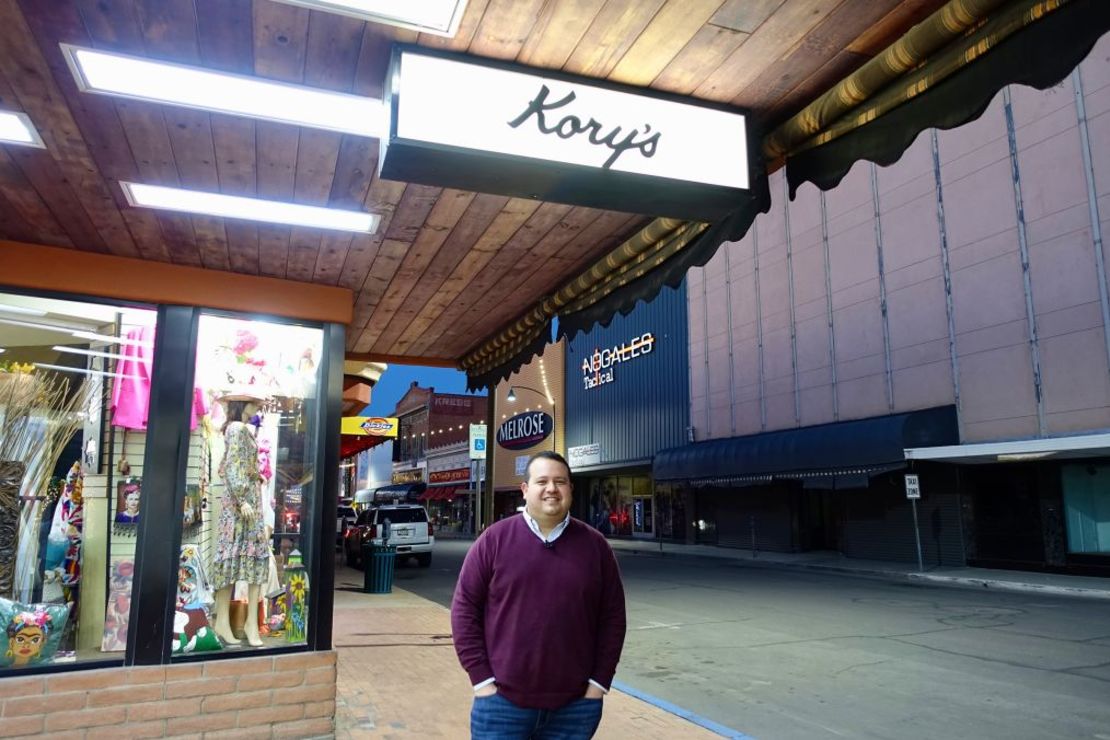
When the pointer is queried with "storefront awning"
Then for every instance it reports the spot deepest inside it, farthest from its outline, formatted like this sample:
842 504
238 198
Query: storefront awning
827 456
402 492
1022 450
443 492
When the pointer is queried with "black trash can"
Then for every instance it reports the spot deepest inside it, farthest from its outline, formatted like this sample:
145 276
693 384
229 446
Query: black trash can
377 568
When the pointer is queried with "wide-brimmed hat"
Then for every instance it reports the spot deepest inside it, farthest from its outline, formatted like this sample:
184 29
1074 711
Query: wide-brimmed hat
241 393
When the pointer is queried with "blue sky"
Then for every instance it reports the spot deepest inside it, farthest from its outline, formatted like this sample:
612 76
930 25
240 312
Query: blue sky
393 384
396 379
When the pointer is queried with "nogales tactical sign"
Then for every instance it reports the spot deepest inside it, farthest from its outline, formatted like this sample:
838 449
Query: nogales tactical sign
525 430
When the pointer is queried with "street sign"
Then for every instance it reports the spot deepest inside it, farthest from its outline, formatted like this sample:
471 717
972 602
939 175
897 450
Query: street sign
477 441
913 488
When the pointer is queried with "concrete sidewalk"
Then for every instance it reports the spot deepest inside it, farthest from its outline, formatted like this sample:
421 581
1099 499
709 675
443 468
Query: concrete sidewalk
833 562
398 676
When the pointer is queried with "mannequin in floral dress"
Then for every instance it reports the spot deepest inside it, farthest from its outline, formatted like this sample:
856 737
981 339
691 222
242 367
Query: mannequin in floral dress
242 550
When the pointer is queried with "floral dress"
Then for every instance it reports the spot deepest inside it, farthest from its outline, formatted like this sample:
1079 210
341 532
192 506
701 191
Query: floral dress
242 550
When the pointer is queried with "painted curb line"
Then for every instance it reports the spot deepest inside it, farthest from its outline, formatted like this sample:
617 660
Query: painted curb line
678 711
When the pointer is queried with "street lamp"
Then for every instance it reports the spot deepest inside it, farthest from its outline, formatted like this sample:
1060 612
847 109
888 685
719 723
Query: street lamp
512 394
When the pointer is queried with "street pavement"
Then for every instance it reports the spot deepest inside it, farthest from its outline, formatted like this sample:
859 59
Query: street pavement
805 649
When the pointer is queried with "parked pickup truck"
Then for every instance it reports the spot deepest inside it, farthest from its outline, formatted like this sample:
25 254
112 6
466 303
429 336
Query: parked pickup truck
410 532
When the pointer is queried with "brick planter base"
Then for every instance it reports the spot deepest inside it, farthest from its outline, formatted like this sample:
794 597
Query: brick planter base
286 696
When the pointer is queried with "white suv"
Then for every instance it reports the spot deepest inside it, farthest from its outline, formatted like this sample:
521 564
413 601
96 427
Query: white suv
410 532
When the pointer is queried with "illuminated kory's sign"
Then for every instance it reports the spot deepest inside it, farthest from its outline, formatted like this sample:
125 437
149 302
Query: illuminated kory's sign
525 430
493 127
597 368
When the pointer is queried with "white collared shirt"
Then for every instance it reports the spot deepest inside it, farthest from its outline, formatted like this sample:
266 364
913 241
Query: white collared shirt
557 530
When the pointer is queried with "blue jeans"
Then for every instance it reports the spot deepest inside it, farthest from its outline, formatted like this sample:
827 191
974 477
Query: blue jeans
496 718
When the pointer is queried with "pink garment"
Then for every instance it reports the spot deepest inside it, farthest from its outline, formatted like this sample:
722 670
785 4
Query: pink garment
131 393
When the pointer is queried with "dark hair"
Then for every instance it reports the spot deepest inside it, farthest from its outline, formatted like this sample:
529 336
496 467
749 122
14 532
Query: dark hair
545 455
235 411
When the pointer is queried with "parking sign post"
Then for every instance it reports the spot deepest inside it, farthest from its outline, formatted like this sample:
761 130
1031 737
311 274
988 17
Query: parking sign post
477 452
913 493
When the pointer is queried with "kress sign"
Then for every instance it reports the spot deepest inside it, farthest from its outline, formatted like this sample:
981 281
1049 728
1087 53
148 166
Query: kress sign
457 121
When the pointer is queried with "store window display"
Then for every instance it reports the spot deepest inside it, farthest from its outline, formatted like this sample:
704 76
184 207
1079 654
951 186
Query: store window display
251 467
61 363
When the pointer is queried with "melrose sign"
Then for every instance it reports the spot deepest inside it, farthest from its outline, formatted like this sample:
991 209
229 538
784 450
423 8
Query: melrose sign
597 368
488 126
525 430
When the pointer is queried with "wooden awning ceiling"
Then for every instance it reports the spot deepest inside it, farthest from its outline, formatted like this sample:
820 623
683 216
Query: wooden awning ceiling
450 277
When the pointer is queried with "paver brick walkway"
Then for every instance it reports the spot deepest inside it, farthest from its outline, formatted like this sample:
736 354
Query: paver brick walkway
398 676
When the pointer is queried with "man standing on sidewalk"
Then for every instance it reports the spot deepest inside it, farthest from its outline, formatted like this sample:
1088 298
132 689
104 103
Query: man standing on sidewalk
538 616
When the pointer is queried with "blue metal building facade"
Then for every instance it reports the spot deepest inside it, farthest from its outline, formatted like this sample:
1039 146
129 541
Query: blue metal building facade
646 405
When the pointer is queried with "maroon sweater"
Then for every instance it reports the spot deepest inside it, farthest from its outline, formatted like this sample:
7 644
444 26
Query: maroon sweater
543 621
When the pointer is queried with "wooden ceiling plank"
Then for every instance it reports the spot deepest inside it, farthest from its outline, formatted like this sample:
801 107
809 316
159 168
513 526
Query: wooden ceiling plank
31 40
782 29
44 175
373 57
178 231
478 218
225 33
225 41
304 247
385 266
211 239
316 156
236 147
708 49
355 165
468 26
449 209
193 149
280 40
744 16
169 29
382 198
412 211
28 204
557 32
504 28
497 268
13 226
881 34
502 296
332 55
273 250
317 153
333 253
112 23
276 171
610 36
144 127
809 55
666 35
404 226
242 240
511 220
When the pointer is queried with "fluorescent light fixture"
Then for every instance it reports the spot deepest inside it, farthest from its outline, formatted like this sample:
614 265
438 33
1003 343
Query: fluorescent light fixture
440 17
2 350
8 308
194 87
16 128
94 337
33 325
251 209
87 352
84 371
